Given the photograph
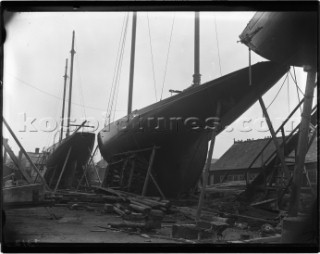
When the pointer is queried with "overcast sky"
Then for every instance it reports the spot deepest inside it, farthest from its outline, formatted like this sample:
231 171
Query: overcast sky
37 45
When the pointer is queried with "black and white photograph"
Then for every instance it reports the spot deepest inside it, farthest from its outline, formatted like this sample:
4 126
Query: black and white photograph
159 126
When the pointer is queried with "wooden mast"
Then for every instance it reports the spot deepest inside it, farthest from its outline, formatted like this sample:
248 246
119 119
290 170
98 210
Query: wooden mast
64 98
196 75
72 52
133 44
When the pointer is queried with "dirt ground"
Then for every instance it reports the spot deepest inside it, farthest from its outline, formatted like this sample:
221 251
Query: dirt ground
36 225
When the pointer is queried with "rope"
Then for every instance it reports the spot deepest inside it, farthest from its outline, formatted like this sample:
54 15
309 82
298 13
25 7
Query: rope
278 91
216 30
152 61
165 70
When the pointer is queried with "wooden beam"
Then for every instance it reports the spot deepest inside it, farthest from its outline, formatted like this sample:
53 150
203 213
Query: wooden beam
158 187
264 202
124 165
267 239
63 168
17 162
144 190
131 174
274 138
208 163
302 142
104 181
25 153
281 126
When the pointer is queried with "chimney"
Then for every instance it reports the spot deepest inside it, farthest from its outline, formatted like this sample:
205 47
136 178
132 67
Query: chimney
37 150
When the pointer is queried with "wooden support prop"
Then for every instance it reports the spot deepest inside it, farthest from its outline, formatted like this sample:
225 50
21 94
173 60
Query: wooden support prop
94 167
156 184
116 162
90 161
264 202
86 168
17 162
5 140
246 176
122 171
281 126
25 153
283 192
144 190
85 175
302 143
208 163
274 138
131 174
104 182
308 181
135 151
63 168
99 179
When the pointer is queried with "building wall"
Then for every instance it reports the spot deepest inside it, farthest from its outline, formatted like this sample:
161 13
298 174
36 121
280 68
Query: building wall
238 175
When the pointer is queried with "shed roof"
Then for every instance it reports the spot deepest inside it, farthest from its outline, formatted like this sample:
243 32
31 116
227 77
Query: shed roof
241 154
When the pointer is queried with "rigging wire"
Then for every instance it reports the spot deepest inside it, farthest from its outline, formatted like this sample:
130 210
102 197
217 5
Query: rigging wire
278 91
297 87
118 66
295 81
152 59
216 30
119 70
165 70
288 95
52 95
119 76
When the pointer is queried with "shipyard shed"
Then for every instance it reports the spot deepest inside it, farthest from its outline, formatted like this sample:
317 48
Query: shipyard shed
311 163
235 162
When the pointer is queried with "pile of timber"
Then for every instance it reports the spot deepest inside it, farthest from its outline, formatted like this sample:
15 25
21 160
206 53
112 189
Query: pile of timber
234 187
135 210
126 176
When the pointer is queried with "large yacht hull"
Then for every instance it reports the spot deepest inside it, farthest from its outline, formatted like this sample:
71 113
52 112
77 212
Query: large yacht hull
286 37
81 144
182 124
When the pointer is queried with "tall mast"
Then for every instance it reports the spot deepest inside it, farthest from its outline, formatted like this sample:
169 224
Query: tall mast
72 52
133 45
196 75
64 98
